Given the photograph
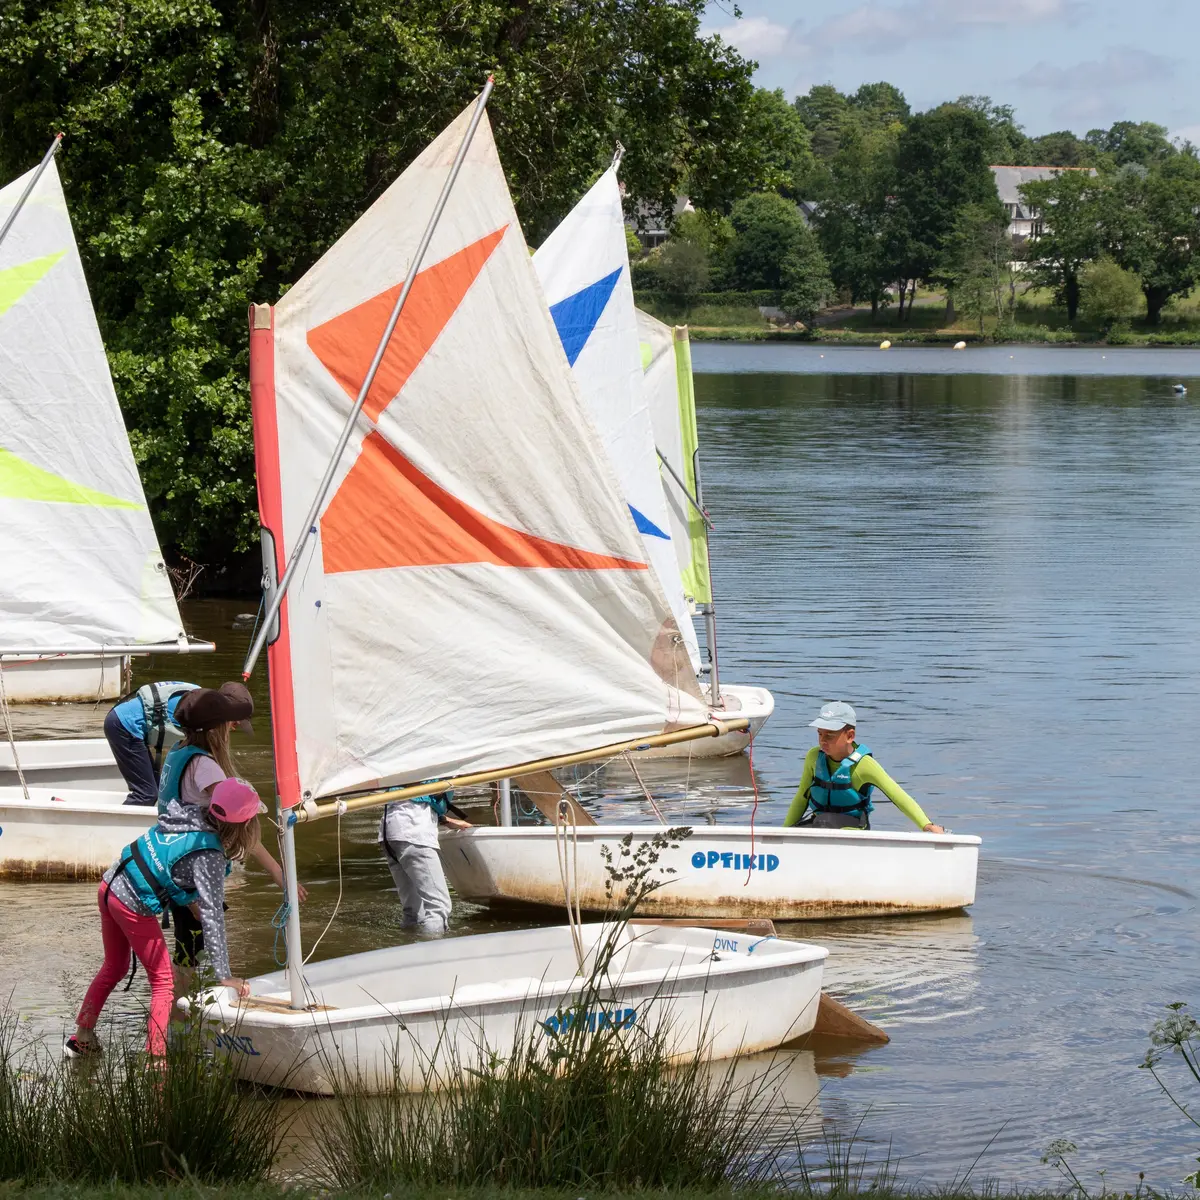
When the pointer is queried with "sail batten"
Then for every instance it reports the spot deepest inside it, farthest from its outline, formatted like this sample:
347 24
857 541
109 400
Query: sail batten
82 567
476 592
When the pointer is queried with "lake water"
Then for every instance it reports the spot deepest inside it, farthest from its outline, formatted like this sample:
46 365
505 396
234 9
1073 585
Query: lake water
1000 571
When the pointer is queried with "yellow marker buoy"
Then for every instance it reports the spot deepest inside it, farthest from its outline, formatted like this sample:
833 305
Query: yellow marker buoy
885 345
960 345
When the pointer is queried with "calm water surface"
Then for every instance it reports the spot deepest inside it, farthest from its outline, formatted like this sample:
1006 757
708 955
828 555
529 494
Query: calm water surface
1000 571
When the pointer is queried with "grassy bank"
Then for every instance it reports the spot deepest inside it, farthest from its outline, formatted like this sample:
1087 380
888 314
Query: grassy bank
1035 322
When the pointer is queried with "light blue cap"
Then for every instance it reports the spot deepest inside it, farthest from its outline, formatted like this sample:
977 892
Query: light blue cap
834 716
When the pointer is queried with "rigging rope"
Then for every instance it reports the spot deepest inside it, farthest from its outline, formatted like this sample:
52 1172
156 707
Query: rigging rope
645 790
8 726
340 811
566 846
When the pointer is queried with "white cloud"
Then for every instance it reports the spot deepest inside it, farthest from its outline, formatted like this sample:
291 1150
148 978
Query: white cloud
757 37
876 26
1120 67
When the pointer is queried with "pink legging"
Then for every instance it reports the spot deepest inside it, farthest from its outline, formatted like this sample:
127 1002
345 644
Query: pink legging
122 929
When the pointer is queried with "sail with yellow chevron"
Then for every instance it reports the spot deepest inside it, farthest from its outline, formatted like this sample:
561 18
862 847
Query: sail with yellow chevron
81 571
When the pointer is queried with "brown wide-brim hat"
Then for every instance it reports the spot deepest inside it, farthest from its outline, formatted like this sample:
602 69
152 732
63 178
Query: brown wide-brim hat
206 708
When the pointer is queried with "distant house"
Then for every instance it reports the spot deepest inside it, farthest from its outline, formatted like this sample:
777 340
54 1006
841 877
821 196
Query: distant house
650 224
1023 221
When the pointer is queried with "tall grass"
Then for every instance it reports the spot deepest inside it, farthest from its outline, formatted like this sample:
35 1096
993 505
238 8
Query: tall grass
119 1118
575 1102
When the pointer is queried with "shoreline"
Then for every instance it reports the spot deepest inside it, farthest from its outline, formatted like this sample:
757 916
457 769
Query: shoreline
850 337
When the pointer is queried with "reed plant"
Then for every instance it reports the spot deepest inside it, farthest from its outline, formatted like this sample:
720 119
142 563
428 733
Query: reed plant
120 1117
579 1101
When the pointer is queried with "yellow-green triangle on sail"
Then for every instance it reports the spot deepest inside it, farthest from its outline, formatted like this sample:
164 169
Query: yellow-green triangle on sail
16 281
21 480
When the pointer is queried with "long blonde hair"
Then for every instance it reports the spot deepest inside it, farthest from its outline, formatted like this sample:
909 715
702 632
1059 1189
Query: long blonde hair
214 741
237 840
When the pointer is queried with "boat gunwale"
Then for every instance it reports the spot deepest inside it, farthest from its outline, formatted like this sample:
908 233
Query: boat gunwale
445 1006
739 832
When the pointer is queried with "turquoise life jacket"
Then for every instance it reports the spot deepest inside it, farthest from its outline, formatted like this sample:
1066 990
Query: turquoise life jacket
833 792
149 862
172 773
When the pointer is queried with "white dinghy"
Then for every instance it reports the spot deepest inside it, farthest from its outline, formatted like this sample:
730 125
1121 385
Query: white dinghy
726 870
80 764
636 383
461 595
58 834
411 1015
81 572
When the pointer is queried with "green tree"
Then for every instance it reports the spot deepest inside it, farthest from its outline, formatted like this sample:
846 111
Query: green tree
767 228
215 149
805 278
1140 142
1151 226
1059 149
977 264
941 167
1069 210
781 149
1108 294
1007 144
682 268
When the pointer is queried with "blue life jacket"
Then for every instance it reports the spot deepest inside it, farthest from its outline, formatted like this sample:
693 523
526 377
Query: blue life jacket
149 862
833 792
172 773
439 803
159 701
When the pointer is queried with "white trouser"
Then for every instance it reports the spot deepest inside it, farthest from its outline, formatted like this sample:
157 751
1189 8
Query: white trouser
421 886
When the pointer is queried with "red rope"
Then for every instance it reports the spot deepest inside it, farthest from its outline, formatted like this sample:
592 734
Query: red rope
753 811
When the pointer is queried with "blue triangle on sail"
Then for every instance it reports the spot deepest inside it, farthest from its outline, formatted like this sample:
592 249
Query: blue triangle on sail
647 526
576 316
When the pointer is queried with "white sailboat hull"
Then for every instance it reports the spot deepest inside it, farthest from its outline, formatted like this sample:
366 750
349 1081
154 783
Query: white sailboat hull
65 678
65 835
84 764
798 874
384 1016
740 700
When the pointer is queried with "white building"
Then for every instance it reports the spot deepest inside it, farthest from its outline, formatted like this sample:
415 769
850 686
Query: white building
1023 221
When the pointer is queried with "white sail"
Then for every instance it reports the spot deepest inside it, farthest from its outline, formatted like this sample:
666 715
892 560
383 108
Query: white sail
667 359
80 565
584 269
476 594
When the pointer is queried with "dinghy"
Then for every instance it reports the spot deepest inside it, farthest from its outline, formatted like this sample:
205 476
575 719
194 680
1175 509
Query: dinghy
57 834
726 870
412 1015
626 364
82 572
457 593
80 764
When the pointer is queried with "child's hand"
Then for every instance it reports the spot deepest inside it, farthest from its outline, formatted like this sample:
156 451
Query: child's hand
932 828
455 823
241 986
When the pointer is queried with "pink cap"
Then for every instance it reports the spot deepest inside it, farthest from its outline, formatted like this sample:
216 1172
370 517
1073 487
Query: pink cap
235 801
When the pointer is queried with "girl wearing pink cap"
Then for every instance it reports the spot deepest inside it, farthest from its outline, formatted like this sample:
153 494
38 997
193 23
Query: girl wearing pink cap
183 860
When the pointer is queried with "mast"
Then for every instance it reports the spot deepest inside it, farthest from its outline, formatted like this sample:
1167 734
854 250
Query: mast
308 528
41 168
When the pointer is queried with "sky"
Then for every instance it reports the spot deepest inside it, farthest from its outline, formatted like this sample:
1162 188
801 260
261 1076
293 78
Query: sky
1063 64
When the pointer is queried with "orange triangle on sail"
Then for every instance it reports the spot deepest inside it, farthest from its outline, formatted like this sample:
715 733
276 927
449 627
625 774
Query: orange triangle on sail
345 344
387 513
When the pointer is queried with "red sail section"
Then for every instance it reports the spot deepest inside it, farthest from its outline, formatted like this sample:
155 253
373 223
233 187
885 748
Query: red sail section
347 343
387 513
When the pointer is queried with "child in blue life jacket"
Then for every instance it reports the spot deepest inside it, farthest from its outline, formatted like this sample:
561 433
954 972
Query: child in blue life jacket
181 861
140 730
408 832
197 765
838 778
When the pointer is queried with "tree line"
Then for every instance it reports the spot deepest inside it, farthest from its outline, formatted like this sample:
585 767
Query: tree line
215 148
894 199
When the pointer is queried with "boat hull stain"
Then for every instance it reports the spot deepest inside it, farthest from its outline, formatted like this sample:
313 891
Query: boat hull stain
46 871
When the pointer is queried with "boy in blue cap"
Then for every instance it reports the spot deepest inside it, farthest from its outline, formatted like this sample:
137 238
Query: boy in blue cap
839 776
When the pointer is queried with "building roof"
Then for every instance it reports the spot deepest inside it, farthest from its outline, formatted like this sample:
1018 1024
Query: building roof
1008 179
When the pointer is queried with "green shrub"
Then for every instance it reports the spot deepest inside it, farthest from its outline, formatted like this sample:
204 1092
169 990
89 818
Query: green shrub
1108 294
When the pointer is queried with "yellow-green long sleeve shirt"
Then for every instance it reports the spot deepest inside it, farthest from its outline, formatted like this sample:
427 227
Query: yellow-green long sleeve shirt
865 771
